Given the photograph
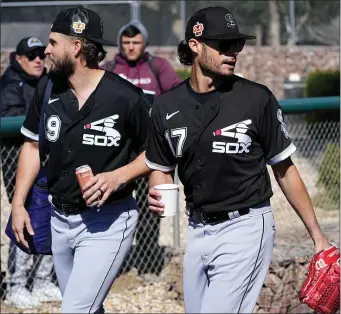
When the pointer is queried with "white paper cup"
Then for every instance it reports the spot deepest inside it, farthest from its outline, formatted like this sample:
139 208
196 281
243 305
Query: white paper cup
169 196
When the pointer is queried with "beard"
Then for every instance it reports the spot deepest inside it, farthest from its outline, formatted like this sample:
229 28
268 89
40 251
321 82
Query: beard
209 65
63 67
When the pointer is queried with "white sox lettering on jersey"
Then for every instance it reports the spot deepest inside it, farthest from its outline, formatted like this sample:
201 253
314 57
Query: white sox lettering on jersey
236 131
106 125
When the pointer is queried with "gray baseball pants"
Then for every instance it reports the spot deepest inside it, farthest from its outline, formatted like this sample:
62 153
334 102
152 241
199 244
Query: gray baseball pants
225 265
88 251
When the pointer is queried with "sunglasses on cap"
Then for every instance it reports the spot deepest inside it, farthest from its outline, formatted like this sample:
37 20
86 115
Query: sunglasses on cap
34 54
233 45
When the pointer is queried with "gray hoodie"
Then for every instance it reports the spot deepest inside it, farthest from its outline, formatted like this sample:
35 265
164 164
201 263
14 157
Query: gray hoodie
141 74
139 26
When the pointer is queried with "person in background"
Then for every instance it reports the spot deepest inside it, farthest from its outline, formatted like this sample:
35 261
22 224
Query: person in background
18 84
154 75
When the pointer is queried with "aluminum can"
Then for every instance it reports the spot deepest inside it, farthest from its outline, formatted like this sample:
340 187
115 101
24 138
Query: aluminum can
83 173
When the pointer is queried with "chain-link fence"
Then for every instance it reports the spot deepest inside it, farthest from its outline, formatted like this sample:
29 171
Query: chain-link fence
150 279
301 22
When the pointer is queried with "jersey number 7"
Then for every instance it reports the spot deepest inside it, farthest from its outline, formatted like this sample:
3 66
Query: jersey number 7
181 134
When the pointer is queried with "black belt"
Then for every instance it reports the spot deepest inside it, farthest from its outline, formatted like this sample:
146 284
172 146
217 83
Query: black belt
215 217
68 209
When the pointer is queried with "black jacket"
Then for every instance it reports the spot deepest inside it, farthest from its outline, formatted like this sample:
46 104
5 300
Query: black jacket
16 89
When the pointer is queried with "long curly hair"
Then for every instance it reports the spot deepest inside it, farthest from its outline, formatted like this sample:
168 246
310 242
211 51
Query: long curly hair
185 54
92 53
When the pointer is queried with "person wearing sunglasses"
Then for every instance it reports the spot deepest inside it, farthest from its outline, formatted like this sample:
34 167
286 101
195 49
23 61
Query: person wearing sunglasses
222 131
19 81
18 85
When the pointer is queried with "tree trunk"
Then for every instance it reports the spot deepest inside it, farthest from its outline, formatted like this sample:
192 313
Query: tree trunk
275 26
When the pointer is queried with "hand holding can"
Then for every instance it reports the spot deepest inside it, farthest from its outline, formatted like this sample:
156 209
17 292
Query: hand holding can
84 174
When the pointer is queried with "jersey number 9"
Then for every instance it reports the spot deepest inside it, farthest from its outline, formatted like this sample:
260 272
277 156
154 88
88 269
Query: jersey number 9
53 125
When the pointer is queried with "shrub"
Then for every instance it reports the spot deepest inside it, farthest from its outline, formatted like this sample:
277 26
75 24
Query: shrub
323 84
329 173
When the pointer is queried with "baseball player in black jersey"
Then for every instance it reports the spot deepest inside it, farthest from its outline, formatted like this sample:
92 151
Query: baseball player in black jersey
92 118
221 131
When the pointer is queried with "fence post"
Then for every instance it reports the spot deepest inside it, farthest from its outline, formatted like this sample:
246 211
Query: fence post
135 10
292 21
176 218
183 17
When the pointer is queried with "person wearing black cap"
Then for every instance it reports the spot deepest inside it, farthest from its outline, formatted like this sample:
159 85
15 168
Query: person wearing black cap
18 84
222 130
21 77
93 118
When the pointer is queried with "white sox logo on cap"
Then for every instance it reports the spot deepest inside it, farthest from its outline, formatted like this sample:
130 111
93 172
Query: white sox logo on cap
198 29
231 22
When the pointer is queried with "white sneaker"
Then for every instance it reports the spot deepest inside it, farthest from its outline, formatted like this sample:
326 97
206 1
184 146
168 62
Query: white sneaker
22 299
48 292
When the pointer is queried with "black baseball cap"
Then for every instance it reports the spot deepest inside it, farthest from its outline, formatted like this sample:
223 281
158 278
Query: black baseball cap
29 44
216 23
81 22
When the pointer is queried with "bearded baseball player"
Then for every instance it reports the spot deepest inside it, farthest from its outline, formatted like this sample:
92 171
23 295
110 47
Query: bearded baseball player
221 131
93 118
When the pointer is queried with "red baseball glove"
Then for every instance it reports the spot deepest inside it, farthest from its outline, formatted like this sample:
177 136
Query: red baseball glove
321 289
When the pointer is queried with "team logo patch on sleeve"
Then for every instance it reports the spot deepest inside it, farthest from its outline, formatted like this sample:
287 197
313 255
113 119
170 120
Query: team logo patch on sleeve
281 121
198 29
78 27
111 136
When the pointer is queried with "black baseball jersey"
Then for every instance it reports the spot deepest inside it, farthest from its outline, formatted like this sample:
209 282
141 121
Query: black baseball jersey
221 142
109 128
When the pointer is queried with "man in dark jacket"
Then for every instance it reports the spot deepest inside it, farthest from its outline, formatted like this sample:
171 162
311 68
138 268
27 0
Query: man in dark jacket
154 75
21 77
18 85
